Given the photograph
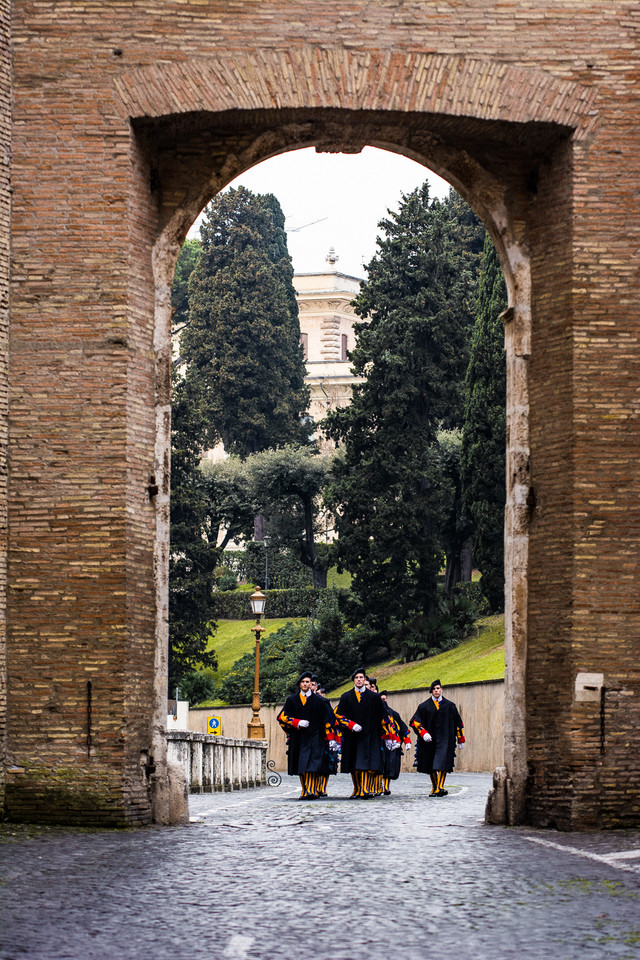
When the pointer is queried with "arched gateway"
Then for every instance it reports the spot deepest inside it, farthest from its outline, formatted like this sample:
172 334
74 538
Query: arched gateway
123 127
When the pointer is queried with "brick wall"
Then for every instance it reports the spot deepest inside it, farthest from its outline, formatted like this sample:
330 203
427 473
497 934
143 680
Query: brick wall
5 214
126 119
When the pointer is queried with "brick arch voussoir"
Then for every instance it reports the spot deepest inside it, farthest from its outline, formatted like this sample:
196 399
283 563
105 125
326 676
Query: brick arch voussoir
366 82
310 77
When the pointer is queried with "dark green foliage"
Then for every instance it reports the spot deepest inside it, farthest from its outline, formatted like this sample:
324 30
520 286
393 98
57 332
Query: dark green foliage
323 645
484 435
187 259
225 579
197 686
203 502
389 489
330 650
286 570
242 345
295 602
443 629
456 527
243 381
288 484
193 557
472 590
279 668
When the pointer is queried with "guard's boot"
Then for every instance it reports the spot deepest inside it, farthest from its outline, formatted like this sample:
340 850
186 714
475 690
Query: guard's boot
442 776
357 789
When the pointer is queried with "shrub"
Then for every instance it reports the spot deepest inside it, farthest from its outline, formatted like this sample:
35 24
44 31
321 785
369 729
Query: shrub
325 646
225 578
331 650
197 686
279 667
445 628
286 570
298 602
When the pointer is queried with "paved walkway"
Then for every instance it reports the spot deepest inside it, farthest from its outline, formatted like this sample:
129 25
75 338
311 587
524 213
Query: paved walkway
259 875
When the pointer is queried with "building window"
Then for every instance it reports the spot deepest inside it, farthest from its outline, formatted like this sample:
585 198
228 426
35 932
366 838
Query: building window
304 340
343 347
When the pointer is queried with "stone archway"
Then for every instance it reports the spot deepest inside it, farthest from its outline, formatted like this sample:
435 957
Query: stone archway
514 141
491 155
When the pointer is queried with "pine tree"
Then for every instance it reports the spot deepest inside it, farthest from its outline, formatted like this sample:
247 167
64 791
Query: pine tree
484 433
389 489
242 345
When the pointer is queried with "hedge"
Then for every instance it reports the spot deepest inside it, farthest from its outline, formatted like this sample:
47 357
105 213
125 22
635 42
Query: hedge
285 569
296 602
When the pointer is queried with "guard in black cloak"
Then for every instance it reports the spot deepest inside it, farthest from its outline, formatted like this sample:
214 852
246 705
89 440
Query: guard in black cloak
439 728
309 722
392 753
332 749
363 719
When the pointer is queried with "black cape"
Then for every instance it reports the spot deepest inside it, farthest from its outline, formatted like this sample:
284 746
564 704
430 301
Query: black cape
392 759
308 748
361 751
442 724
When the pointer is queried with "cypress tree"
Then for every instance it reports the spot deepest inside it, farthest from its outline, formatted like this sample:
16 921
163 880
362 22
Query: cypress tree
484 432
242 345
389 489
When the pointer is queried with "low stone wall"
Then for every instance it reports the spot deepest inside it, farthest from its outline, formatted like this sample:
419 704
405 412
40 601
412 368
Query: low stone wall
481 707
213 763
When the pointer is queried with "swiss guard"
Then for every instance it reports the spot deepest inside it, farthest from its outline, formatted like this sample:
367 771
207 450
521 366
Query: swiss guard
440 729
392 753
363 720
308 720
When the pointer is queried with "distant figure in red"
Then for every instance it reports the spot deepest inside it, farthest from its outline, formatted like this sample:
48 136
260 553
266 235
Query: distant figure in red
439 728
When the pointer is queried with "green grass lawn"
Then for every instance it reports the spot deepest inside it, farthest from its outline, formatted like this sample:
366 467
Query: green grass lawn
481 657
233 638
335 579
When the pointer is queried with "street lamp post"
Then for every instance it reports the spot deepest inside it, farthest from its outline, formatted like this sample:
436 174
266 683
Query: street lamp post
255 728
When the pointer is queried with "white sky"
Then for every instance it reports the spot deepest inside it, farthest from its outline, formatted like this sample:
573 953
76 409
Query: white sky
348 193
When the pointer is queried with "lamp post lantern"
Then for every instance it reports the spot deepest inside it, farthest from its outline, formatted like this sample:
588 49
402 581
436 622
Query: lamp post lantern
255 728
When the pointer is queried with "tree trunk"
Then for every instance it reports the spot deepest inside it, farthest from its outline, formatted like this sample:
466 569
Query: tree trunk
459 567
452 573
466 561
319 578
258 527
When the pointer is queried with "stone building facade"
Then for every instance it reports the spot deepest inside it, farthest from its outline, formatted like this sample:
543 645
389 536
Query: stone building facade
119 122
327 334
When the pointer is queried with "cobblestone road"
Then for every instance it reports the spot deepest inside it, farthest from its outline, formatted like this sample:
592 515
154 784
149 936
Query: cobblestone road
259 875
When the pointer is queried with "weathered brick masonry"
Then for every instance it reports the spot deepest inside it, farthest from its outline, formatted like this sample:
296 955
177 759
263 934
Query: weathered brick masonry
5 214
127 117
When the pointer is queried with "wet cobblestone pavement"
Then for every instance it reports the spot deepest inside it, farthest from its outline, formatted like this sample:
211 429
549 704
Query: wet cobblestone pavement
259 875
